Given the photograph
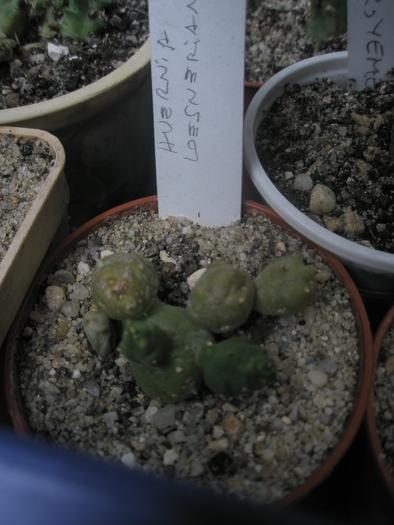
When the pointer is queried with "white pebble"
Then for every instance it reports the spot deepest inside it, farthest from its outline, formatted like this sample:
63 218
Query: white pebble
322 200
194 277
170 457
55 297
303 182
317 378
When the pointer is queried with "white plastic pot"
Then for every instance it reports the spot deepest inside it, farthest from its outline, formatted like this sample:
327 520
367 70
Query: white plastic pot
372 270
106 129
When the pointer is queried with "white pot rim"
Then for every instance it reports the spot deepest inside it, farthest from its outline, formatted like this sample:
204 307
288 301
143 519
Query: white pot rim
136 63
346 250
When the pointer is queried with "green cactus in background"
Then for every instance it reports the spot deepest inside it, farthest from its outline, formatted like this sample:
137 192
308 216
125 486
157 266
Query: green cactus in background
76 20
328 19
124 285
83 17
235 366
99 331
164 350
222 298
285 286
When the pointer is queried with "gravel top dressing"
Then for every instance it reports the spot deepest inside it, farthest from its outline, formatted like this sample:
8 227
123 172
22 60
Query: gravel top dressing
25 164
261 445
383 402
327 151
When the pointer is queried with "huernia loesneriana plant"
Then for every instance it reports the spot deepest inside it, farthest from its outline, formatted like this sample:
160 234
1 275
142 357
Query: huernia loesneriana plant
222 298
171 349
285 286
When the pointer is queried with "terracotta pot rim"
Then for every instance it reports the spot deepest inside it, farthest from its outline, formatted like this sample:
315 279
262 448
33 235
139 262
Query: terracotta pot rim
372 430
365 338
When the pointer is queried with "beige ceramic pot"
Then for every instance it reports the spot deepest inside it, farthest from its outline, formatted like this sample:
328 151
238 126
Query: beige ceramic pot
33 238
105 128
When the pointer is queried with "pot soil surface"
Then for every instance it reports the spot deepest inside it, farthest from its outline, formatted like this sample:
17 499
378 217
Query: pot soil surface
327 151
25 164
275 38
262 445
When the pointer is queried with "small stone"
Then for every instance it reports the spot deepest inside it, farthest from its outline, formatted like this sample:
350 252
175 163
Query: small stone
196 469
303 182
129 459
80 292
317 378
83 268
194 277
328 366
164 417
110 418
56 52
55 297
218 444
178 436
48 387
147 416
352 223
322 200
76 374
212 416
322 277
193 414
309 314
12 100
170 456
92 388
70 309
333 224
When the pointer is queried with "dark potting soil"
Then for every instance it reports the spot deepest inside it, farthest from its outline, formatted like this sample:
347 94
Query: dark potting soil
33 76
322 135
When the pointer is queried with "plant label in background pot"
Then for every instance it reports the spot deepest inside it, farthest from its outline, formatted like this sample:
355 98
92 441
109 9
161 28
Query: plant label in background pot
197 57
370 43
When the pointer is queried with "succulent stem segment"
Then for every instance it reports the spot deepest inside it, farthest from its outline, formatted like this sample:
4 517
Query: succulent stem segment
285 286
222 298
124 285
98 330
235 366
163 350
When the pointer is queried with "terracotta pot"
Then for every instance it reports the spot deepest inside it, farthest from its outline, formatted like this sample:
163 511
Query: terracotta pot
380 476
37 231
150 203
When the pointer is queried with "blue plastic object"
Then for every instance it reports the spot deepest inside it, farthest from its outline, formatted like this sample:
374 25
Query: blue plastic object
41 484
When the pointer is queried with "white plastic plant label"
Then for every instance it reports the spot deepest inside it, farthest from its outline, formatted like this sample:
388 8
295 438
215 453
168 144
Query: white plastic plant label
370 42
197 60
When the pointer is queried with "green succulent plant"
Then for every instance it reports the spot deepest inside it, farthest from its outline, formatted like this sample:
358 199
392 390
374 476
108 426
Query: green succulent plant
235 366
285 286
172 350
164 351
124 285
222 298
77 20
